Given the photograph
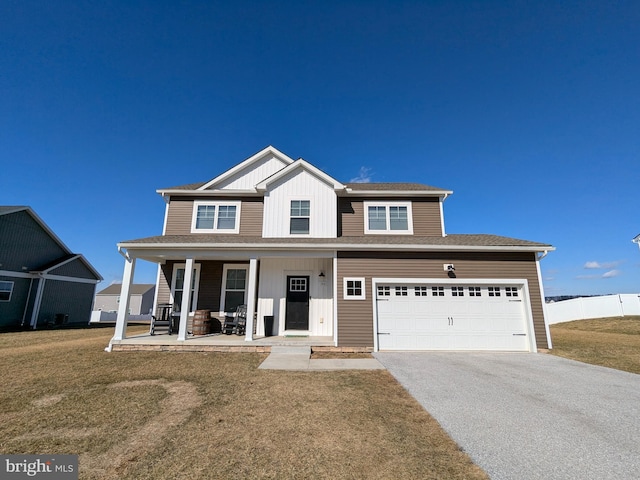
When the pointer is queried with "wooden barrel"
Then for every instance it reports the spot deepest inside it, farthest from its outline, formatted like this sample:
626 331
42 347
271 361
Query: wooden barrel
201 322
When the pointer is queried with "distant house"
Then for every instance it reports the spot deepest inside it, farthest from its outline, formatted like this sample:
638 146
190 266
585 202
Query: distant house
141 303
41 281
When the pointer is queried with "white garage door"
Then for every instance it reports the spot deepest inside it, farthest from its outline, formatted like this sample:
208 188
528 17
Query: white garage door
451 317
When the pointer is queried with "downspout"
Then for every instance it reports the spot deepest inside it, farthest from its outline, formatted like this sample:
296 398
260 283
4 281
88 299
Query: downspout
26 307
124 253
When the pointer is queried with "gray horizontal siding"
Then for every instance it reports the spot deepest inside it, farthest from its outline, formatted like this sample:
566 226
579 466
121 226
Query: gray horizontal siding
426 215
355 318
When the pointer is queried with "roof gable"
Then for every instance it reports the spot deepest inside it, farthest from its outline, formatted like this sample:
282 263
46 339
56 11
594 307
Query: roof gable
295 167
251 171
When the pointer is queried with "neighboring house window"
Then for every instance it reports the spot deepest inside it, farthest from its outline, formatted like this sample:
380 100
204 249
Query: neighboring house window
215 217
6 288
234 287
300 214
177 287
354 289
388 217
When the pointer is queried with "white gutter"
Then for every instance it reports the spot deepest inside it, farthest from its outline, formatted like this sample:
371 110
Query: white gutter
124 254
326 246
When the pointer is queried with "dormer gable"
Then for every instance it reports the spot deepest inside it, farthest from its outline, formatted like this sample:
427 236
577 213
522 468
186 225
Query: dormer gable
300 201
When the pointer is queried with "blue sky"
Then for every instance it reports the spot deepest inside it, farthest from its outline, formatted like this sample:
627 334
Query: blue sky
528 111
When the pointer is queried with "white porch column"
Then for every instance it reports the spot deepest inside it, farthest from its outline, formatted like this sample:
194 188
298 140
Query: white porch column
125 298
251 298
185 307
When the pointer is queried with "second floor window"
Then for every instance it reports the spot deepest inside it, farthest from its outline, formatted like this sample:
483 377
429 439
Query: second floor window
216 217
300 214
388 217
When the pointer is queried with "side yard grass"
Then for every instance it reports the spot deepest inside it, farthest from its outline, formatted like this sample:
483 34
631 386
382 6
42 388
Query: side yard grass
610 342
162 415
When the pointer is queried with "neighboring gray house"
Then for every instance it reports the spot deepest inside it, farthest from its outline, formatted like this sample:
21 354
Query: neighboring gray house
107 300
41 281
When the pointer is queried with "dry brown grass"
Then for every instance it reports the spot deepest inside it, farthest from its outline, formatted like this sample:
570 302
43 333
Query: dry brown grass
160 415
610 342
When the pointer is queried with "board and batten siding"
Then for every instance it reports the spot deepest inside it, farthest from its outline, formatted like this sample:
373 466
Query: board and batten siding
426 215
355 317
300 185
272 292
248 177
25 243
180 215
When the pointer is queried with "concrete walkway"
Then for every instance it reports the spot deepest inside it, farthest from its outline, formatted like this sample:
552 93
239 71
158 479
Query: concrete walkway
298 358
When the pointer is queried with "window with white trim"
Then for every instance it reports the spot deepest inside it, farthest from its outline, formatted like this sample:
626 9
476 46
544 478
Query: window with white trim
354 288
6 289
177 286
215 217
388 217
234 287
300 216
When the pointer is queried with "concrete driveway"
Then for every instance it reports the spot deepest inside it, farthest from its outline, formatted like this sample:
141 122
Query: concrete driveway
529 416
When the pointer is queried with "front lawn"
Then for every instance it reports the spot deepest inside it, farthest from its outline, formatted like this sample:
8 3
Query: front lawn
610 342
162 415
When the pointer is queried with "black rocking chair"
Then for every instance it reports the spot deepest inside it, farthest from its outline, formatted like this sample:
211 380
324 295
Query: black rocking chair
163 318
235 322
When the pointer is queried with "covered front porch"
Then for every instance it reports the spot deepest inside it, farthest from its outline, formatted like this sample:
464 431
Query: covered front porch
291 294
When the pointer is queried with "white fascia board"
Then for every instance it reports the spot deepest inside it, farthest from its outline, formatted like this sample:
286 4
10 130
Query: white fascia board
325 246
210 193
265 151
301 163
399 193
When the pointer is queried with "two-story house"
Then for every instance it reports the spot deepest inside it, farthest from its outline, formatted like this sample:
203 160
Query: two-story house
366 265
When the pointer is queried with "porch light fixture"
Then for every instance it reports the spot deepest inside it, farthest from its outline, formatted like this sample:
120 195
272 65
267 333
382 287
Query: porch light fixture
321 275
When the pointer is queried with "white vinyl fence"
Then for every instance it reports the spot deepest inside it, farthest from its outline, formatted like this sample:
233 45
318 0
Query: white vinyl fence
98 316
593 307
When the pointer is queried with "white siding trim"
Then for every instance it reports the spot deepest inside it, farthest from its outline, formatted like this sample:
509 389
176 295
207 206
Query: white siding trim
544 306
